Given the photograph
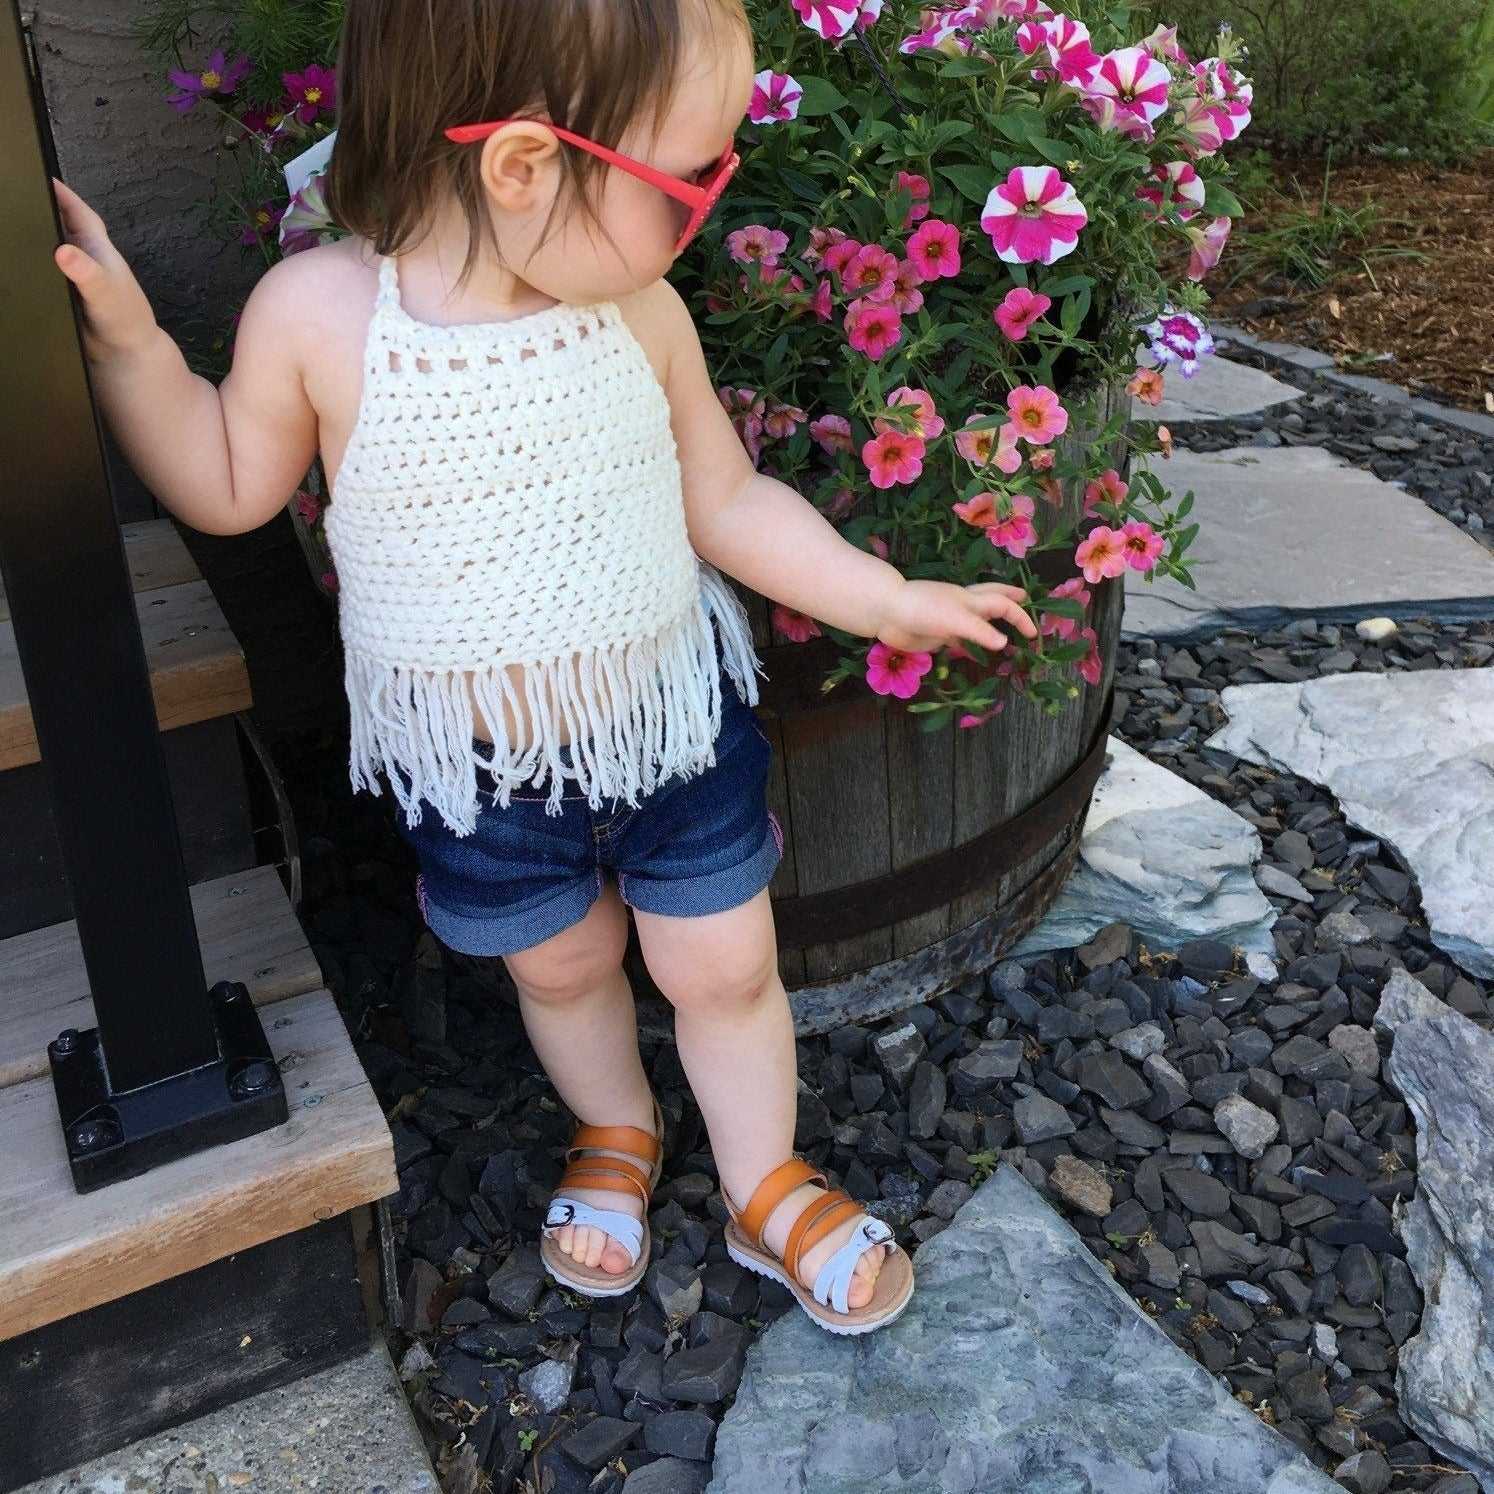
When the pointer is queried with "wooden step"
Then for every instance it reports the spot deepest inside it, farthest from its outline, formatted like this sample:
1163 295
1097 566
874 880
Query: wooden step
62 1253
246 927
155 555
197 669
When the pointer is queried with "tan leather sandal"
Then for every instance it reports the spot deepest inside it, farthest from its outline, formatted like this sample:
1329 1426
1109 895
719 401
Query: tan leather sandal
587 1168
828 1303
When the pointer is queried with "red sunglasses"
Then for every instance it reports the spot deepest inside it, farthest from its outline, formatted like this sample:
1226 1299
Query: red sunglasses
699 196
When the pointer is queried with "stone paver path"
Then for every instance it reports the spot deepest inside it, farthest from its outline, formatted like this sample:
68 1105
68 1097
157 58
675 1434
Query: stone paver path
1020 1365
1296 532
1163 857
1220 390
1411 759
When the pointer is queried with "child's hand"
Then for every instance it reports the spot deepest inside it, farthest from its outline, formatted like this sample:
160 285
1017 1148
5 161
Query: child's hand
925 615
117 315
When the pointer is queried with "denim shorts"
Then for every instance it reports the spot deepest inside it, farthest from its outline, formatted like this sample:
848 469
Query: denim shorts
695 846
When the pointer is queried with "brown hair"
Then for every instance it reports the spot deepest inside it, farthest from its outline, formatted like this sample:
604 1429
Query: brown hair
408 69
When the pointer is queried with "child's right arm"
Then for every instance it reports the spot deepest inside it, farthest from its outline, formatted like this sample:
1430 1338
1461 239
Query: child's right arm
224 459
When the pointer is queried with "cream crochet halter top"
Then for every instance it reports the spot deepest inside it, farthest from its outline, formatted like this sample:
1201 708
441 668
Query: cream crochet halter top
511 495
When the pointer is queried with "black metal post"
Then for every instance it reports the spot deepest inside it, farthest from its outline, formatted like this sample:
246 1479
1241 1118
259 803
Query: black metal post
171 1067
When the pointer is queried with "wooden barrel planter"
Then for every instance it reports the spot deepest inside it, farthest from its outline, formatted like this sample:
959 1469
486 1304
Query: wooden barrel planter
913 859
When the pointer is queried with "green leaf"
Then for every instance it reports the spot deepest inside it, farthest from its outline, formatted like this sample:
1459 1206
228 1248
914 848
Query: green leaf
1065 285
936 719
964 67
1052 150
1069 607
1219 200
972 182
1020 124
820 97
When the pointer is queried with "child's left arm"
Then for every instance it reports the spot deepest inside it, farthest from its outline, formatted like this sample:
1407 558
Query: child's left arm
772 539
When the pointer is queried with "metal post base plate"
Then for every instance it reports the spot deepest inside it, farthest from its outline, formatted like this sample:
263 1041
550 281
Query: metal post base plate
111 1136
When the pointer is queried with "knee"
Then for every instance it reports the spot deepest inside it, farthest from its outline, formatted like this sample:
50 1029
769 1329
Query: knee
558 977
731 985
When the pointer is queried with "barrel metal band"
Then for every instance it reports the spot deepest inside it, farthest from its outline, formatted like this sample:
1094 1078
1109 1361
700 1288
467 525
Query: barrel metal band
922 886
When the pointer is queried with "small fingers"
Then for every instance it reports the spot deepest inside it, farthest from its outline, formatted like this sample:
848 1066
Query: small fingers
84 271
995 605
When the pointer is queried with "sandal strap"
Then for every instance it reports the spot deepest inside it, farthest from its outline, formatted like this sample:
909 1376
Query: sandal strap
628 1139
626 1230
609 1174
820 1218
771 1192
832 1287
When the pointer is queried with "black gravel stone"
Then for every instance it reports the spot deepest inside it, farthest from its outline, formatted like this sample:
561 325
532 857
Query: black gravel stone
599 1441
681 1434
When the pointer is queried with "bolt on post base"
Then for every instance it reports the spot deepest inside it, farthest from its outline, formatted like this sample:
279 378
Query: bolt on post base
111 1136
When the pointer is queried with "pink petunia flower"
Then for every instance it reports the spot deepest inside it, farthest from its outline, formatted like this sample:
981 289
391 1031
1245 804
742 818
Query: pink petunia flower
871 13
917 187
970 721
775 98
1091 666
930 423
1163 43
757 244
873 328
997 448
1108 487
1014 531
1074 60
934 250
1187 189
908 297
1034 215
1043 460
1201 133
217 79
1032 37
263 223
872 273
747 409
821 239
1134 83
894 457
940 35
312 93
980 512
1179 337
830 19
307 220
1019 311
1142 544
832 432
1037 414
1101 556
1147 386
783 420
837 255
797 627
1228 96
822 303
1208 244
890 671
1066 628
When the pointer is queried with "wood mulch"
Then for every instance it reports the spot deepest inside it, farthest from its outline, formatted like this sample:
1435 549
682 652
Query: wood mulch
1423 319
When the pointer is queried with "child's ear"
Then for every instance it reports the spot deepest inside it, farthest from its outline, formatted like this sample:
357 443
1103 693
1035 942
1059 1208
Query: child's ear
519 164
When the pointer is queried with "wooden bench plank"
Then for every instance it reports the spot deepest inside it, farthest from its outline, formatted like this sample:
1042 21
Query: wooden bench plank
248 932
62 1253
197 669
155 554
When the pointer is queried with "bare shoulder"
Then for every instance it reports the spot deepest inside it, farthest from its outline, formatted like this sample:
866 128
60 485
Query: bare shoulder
324 292
659 318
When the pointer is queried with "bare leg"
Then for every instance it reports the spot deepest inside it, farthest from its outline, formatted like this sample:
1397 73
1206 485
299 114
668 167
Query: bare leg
736 1041
578 1011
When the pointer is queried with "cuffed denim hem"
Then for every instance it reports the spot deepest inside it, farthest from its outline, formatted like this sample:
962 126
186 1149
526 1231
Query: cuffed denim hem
516 932
713 892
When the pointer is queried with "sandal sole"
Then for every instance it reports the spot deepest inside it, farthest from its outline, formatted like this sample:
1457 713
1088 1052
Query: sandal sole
760 1267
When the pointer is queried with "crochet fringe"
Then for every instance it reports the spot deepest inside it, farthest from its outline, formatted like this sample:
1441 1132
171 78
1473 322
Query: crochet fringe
636 715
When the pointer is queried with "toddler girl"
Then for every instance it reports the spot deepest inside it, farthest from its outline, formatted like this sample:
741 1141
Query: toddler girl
532 484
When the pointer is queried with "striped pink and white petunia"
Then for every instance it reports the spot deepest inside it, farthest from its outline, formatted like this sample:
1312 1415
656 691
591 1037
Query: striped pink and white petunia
1074 60
1186 196
1131 83
1227 95
775 98
831 19
1034 216
1208 244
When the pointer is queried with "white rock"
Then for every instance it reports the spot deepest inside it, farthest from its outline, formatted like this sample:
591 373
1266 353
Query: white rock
1248 1128
1377 629
1410 758
1404 999
1162 856
1325 1341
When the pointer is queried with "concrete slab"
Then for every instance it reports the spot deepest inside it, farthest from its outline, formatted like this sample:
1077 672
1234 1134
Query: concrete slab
1162 856
1296 532
1220 390
1410 758
348 1428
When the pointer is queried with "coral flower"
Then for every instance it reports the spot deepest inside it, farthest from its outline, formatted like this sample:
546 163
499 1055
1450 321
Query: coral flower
831 19
1092 666
1102 555
917 187
980 512
873 328
908 298
872 273
1106 488
1147 386
218 77
996 448
1134 82
928 420
893 457
820 240
797 627
747 409
890 671
1187 195
1208 244
1074 60
839 253
935 250
1019 311
1142 544
1065 627
775 98
1034 215
1037 414
822 303
757 244
833 432
783 420
312 93
1015 532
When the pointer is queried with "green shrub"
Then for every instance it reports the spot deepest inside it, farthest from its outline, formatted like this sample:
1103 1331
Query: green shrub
1391 76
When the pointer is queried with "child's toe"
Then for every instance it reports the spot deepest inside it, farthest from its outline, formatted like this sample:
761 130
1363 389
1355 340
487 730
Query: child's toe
565 1240
864 1283
615 1260
596 1243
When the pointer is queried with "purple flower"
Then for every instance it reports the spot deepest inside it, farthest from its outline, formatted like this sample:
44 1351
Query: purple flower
312 93
217 78
1178 337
